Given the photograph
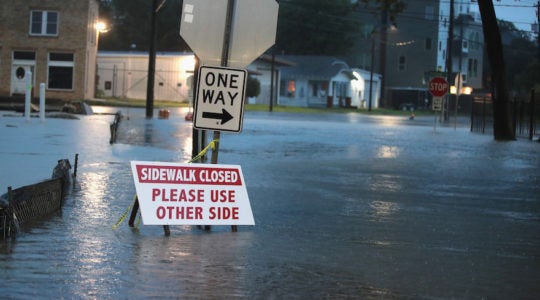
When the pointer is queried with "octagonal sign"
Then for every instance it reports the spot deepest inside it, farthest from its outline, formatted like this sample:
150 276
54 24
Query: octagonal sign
253 29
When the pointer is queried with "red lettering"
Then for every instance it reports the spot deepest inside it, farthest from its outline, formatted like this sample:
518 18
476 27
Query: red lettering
175 195
160 212
222 196
223 213
179 212
155 193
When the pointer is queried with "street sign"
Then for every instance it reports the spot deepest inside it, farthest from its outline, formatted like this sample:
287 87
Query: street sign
458 83
437 103
191 194
219 103
438 86
253 29
202 28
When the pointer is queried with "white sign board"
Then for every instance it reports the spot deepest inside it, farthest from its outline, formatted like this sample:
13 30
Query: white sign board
253 29
437 103
219 103
202 28
191 194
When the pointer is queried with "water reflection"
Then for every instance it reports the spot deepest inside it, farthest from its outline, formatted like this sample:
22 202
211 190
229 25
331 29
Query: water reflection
148 132
385 183
388 151
211 272
383 210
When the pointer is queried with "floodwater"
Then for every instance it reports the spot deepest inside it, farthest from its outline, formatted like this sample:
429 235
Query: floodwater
346 206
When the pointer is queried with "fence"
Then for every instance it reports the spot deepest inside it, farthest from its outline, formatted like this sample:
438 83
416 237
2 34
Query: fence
29 203
526 115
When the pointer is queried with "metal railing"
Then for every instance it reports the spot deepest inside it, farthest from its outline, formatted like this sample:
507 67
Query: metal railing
526 115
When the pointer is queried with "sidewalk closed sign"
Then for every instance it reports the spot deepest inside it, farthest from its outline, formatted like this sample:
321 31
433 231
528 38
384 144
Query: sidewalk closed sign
191 194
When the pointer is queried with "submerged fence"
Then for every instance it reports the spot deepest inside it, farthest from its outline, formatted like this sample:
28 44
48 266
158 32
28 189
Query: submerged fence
20 206
526 115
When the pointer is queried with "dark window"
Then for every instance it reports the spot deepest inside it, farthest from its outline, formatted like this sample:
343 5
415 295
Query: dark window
43 22
402 63
60 71
25 55
60 78
61 57
428 44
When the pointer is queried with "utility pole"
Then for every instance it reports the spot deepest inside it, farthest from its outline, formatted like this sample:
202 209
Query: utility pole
371 71
449 51
538 29
151 63
382 49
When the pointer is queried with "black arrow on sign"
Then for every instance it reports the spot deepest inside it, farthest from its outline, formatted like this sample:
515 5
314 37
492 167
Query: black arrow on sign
224 116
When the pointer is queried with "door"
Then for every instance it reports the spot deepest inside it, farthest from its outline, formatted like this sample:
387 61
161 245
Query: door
19 73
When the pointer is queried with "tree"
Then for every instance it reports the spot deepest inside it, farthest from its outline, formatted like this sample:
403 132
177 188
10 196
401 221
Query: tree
130 25
503 128
253 87
519 53
315 27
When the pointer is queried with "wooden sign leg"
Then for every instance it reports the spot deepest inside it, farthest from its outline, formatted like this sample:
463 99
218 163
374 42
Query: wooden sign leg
166 230
134 212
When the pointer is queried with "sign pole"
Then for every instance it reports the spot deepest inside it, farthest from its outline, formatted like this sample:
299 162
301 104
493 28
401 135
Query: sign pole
224 62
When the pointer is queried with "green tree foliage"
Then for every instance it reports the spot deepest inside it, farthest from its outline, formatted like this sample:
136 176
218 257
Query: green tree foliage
130 25
315 27
529 78
391 7
519 53
253 87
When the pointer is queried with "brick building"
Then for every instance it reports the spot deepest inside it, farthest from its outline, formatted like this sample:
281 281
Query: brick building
54 40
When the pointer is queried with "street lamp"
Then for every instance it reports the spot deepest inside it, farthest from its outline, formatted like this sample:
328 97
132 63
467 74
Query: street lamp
102 27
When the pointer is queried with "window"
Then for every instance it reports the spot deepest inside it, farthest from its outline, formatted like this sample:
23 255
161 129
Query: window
288 88
24 55
472 68
474 39
401 66
60 71
430 13
318 88
428 44
43 23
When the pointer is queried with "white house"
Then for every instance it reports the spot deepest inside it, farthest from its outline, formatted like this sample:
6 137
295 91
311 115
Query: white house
319 81
361 88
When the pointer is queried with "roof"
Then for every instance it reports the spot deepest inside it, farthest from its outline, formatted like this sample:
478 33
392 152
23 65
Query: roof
314 67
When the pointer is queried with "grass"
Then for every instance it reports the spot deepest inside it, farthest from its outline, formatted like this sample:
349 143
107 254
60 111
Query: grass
141 103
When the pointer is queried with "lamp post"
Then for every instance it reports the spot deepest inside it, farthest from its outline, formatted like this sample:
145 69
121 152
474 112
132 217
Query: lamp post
371 70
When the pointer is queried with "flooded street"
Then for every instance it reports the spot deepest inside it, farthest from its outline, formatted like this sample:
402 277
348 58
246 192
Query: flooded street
346 206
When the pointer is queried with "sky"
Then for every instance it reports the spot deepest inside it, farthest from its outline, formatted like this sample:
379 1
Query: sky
520 12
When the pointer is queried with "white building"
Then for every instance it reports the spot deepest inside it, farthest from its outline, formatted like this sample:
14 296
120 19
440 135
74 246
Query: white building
124 75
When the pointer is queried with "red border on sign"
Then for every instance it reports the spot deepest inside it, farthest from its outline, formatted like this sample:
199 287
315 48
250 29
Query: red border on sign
188 175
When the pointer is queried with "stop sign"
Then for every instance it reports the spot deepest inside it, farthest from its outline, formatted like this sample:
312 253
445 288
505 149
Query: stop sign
253 29
438 86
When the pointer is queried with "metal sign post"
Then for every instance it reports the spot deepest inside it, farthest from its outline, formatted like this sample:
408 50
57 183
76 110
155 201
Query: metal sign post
438 87
235 39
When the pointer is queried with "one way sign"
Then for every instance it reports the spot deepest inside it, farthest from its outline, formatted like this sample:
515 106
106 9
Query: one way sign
219 103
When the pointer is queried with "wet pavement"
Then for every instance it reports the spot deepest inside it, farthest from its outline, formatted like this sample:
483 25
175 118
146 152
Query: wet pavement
346 206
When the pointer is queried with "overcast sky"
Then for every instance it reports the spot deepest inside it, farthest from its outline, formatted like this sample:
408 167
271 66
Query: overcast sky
520 12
